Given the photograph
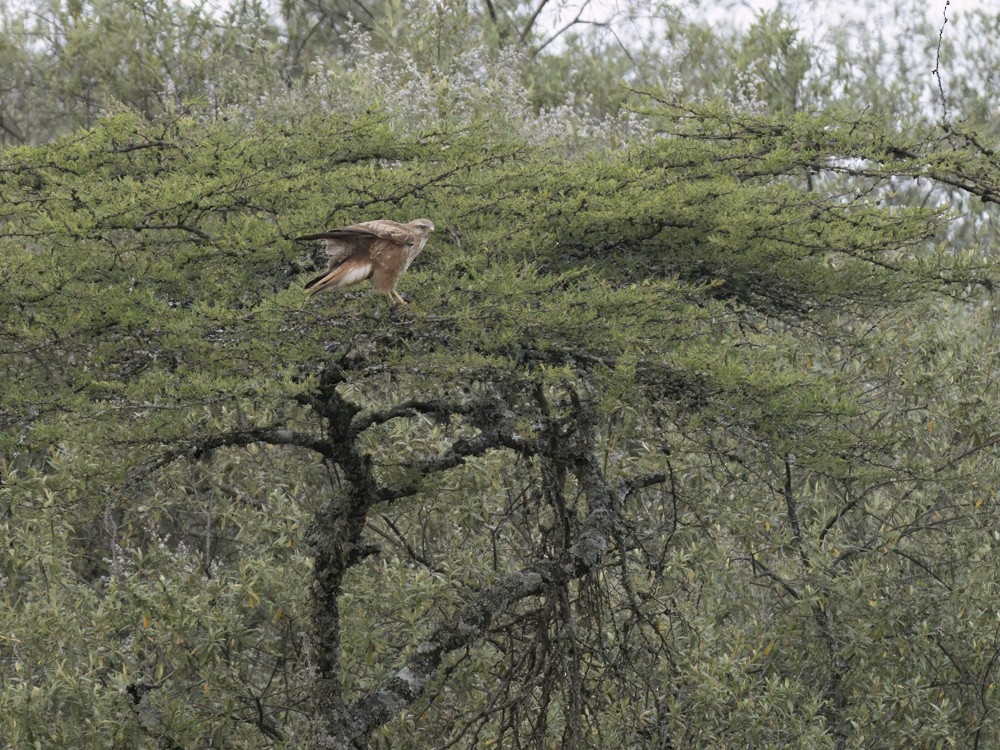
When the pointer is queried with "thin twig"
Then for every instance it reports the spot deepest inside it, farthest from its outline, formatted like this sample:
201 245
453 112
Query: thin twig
937 65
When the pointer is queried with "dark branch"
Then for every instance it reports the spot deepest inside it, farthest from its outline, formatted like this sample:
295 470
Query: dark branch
456 455
199 450
472 622
184 227
138 146
409 408
466 627
627 487
534 17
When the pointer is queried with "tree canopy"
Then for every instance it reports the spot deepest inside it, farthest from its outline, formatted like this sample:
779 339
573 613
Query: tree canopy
686 437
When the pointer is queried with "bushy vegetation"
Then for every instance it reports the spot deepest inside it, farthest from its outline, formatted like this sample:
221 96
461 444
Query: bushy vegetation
686 438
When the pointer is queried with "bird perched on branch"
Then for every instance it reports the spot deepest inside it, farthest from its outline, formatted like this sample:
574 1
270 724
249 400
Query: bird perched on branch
379 250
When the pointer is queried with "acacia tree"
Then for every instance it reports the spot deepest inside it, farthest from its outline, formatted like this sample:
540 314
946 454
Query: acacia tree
672 447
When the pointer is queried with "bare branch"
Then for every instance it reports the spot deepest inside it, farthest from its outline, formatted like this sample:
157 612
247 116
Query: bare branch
627 487
137 146
760 569
472 622
464 628
456 455
492 10
202 449
534 17
409 408
937 65
398 539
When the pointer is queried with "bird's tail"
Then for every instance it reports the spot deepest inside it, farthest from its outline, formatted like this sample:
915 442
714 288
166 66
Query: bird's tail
350 272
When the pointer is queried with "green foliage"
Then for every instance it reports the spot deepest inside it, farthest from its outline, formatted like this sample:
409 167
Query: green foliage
67 63
151 303
756 324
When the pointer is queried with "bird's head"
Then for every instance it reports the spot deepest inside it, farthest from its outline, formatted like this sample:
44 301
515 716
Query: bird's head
424 226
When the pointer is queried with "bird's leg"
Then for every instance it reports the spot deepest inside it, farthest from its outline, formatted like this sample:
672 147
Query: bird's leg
398 297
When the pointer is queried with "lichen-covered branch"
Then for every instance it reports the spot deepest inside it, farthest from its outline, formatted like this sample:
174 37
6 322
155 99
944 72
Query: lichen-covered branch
472 622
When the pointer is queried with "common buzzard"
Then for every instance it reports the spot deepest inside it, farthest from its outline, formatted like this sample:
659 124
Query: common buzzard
379 250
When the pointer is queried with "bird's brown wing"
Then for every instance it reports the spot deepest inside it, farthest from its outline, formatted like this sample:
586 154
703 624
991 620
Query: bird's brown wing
344 242
382 229
382 261
391 231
